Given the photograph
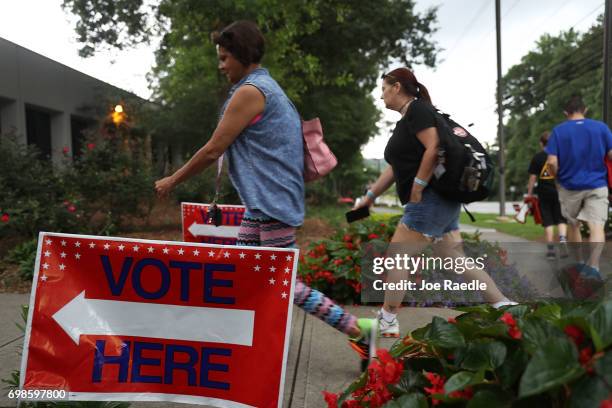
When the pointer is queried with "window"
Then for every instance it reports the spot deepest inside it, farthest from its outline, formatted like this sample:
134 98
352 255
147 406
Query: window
38 130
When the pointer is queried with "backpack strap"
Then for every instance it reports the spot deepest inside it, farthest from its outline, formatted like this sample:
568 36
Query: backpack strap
469 213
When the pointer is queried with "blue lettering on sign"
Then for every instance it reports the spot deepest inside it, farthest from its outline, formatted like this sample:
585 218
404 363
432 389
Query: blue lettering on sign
207 366
182 279
138 360
212 282
137 280
197 363
100 360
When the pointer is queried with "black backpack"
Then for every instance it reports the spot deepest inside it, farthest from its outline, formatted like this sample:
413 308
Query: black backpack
464 170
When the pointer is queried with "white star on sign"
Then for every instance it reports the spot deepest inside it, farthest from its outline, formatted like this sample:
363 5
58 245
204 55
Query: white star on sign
165 250
287 270
288 258
121 247
45 266
180 251
136 248
211 253
242 255
286 282
272 281
48 241
273 257
63 243
257 268
77 244
150 249
43 278
226 254
257 256
77 255
106 246
196 252
47 254
63 254
272 269
92 245
62 267
284 295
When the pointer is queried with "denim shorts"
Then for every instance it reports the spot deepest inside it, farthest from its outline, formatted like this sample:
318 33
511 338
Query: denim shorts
434 216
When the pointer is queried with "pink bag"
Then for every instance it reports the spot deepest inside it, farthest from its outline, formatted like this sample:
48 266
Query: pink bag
318 158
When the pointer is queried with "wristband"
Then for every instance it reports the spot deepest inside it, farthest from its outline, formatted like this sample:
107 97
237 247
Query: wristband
420 182
370 195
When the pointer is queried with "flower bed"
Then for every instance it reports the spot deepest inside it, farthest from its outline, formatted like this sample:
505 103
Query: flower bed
546 355
333 265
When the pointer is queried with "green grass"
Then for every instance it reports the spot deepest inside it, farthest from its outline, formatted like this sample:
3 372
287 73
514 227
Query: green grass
333 214
529 230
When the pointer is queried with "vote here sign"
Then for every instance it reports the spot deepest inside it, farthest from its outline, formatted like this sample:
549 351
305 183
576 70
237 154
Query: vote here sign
137 320
196 227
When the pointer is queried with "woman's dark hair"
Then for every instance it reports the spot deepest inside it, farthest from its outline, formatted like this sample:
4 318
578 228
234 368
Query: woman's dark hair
409 83
544 138
574 105
243 40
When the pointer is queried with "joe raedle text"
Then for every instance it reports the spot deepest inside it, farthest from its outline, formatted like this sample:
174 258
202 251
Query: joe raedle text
424 285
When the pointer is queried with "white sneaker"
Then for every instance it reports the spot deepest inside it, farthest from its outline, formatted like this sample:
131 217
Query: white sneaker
501 303
387 329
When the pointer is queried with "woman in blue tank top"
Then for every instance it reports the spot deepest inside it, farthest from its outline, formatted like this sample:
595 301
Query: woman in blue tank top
260 132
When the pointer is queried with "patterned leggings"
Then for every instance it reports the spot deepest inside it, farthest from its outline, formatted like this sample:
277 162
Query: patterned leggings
257 229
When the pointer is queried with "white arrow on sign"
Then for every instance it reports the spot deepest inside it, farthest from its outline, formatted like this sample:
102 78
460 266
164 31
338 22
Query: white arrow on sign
190 323
222 231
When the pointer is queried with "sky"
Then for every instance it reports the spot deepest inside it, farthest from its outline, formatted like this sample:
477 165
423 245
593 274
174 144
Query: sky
463 83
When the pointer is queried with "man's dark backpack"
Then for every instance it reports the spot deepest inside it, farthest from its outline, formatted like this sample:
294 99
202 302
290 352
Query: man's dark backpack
464 171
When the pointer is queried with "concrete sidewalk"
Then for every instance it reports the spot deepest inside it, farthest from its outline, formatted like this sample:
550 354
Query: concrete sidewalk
319 356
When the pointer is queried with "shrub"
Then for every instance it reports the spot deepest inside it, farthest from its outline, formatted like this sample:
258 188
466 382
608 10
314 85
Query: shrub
545 355
32 193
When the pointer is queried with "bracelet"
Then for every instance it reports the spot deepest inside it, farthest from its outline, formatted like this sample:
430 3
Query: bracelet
370 194
420 182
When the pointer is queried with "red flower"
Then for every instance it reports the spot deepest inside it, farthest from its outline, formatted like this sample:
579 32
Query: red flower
71 208
337 262
91 146
467 394
452 320
351 404
65 150
372 236
574 333
607 403
508 319
349 245
382 224
331 399
5 217
347 238
515 332
585 356
437 382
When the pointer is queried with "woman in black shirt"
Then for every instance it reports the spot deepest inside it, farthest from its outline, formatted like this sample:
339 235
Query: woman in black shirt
412 154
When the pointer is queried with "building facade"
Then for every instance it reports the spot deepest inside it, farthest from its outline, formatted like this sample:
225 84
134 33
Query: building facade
47 104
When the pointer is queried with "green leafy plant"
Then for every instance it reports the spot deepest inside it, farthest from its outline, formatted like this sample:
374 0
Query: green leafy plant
24 255
549 355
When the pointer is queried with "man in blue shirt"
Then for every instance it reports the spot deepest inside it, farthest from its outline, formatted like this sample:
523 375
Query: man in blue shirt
576 153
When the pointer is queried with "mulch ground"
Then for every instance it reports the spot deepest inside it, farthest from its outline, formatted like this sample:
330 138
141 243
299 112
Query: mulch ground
163 224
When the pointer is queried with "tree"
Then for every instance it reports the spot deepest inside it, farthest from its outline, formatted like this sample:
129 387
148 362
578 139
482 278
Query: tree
327 55
537 88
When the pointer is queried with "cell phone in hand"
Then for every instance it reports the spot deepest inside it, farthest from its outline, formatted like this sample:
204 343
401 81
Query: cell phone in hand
357 214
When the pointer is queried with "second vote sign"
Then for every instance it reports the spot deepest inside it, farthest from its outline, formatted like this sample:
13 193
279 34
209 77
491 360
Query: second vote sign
198 228
114 319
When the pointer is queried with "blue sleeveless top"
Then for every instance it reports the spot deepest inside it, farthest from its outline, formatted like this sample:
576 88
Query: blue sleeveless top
266 161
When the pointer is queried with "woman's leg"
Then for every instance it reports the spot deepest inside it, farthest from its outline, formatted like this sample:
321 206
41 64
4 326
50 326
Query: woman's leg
257 229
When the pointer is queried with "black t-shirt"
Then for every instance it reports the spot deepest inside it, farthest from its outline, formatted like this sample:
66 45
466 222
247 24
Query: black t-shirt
404 151
546 181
